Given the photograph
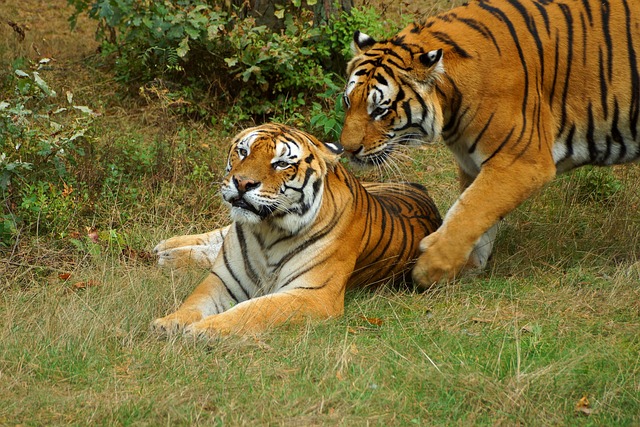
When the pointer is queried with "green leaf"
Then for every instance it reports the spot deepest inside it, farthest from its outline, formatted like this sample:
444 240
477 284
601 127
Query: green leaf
43 85
231 61
183 48
192 32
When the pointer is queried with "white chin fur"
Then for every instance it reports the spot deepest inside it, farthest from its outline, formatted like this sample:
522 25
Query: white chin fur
244 216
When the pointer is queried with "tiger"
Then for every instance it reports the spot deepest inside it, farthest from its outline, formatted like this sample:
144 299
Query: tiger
518 90
303 230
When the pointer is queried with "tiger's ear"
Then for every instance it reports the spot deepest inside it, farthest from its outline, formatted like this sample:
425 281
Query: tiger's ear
334 147
361 43
431 58
430 66
328 151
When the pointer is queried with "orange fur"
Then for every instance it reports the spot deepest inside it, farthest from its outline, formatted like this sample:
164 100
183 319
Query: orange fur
304 230
519 90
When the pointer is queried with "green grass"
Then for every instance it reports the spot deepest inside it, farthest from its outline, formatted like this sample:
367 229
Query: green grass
489 350
554 318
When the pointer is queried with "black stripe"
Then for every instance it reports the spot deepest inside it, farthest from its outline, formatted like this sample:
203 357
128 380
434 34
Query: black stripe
591 143
603 86
556 66
486 126
584 39
504 18
315 288
587 8
545 16
615 132
227 264
569 20
444 38
634 107
533 30
569 143
607 36
229 291
246 257
481 28
502 144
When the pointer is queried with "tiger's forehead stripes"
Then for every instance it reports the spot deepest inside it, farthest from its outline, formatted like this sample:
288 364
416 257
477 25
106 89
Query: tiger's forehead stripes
288 149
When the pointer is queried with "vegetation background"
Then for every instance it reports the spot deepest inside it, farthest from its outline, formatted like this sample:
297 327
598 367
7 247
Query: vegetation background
129 151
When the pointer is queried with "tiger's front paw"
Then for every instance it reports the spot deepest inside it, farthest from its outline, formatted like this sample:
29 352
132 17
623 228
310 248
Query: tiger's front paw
441 260
168 244
178 258
208 328
175 322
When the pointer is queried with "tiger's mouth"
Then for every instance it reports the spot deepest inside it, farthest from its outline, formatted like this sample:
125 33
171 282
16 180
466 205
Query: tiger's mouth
262 211
380 157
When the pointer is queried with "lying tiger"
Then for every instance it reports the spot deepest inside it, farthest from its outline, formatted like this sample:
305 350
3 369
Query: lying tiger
304 230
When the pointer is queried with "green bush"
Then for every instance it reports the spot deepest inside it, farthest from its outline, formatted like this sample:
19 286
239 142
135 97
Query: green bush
37 153
237 65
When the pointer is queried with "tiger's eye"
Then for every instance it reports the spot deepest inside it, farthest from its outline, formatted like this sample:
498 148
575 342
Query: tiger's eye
378 112
280 164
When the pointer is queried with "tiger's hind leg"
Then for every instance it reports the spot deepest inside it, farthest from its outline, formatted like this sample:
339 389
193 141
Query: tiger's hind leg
198 250
482 250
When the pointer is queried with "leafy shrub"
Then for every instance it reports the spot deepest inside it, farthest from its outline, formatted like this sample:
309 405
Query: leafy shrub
238 63
36 154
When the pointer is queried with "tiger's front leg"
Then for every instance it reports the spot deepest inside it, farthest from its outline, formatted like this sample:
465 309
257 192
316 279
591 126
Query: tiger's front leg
500 187
199 250
210 297
263 313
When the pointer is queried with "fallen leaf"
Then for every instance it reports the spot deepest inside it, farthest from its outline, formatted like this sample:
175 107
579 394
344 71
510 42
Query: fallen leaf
78 286
585 411
372 320
92 234
64 276
67 190
583 406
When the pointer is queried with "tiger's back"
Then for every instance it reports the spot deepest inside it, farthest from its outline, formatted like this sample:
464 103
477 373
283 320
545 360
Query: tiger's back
391 218
568 79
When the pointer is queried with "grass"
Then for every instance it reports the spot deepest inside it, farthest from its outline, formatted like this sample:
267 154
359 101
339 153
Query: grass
490 350
554 319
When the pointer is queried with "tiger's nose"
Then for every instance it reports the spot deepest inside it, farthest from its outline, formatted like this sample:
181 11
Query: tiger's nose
244 184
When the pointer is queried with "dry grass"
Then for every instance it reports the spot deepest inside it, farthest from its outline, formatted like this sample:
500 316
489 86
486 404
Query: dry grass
555 317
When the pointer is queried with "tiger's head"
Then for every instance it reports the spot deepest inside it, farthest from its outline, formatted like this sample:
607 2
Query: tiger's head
390 96
276 174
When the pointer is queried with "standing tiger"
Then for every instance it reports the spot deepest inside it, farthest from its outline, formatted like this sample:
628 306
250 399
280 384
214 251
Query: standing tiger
519 91
304 229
